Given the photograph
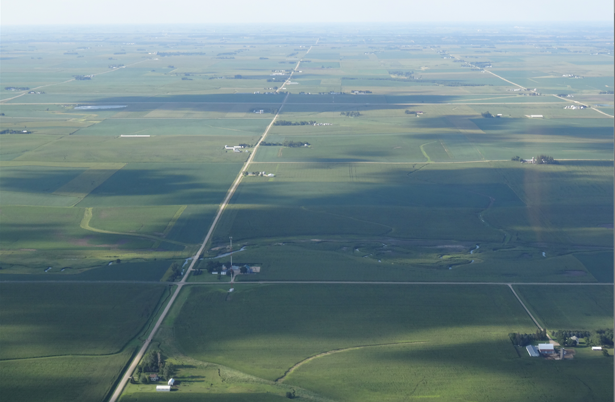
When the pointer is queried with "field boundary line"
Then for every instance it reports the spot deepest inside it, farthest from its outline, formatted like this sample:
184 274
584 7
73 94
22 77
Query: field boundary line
63 82
334 351
525 308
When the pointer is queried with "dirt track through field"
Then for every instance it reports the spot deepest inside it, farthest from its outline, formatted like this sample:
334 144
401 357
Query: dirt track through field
330 352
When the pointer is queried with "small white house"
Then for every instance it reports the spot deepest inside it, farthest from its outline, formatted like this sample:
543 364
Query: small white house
163 388
171 382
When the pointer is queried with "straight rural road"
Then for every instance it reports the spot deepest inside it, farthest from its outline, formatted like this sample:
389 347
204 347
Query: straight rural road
135 361
321 283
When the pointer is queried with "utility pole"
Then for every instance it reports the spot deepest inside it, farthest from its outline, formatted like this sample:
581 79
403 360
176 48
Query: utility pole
231 238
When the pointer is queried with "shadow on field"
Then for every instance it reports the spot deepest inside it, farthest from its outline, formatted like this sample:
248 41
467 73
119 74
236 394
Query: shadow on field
279 98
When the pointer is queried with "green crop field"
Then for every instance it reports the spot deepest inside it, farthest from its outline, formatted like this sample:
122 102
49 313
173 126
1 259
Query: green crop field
67 341
574 307
355 335
375 154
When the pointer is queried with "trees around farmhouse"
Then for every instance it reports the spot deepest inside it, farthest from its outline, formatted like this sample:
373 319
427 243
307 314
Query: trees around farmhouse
544 160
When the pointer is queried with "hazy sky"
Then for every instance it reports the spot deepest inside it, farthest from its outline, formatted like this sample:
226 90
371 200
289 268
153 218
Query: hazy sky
44 12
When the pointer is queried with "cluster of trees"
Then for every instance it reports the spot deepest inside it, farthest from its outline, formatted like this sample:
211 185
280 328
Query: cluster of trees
176 272
351 114
515 158
290 144
82 77
606 92
294 123
153 363
599 337
410 112
16 88
525 339
213 266
544 159
7 131
487 115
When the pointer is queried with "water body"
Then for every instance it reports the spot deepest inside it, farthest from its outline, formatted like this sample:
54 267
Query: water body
99 107
472 251
226 254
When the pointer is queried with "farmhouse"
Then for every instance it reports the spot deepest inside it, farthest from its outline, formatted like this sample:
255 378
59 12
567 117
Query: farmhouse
234 148
163 388
154 377
546 348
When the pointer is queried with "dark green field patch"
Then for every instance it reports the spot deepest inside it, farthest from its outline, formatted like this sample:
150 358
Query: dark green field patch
164 184
68 319
570 307
34 185
599 264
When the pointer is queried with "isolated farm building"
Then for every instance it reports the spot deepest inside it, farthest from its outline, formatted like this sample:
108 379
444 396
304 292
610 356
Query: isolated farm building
546 348
575 339
163 388
154 377
596 347
171 382
531 349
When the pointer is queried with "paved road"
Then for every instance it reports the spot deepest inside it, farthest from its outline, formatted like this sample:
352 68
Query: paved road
135 361
183 282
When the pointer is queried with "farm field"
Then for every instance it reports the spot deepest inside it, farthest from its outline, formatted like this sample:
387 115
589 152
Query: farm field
426 340
586 309
68 342
395 154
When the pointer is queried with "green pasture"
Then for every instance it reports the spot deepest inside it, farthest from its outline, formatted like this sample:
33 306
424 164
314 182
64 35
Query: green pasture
436 350
381 258
158 149
217 127
68 342
55 229
164 184
599 264
62 378
570 307
42 320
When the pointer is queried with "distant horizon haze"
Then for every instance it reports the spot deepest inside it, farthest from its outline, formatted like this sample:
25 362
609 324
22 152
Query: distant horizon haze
155 12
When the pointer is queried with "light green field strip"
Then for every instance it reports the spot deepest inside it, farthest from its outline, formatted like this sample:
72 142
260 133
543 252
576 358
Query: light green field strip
309 359
101 165
425 153
87 217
